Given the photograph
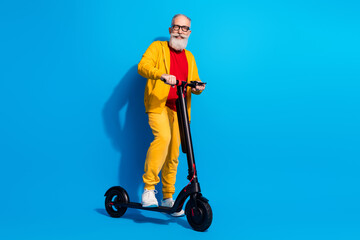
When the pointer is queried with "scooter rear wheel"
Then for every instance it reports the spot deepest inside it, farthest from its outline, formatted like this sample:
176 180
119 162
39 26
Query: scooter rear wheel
113 198
200 217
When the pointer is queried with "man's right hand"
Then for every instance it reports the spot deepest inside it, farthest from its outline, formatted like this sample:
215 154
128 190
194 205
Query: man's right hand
169 79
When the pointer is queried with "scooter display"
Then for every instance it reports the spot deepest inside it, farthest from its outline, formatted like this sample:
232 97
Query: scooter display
198 211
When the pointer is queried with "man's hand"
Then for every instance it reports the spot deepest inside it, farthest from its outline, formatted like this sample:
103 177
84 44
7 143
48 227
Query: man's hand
169 79
198 88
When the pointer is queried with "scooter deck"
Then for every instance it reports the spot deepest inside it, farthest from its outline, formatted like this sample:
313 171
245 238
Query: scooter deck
139 206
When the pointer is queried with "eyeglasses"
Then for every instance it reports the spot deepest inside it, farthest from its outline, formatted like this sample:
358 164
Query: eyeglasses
183 28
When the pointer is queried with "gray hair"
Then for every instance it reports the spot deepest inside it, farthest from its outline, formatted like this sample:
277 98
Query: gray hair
178 15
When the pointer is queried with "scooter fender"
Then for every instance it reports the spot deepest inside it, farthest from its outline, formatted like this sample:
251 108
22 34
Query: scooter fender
114 188
204 199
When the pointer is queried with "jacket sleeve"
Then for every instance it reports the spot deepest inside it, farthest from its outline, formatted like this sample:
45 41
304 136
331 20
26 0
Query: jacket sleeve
195 77
147 65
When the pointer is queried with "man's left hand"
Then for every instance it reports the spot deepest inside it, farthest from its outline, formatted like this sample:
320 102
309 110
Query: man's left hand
198 88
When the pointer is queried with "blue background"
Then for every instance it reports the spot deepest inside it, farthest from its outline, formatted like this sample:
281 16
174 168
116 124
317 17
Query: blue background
276 133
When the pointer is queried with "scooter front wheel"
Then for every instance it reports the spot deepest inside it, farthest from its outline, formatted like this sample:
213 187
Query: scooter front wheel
200 216
114 197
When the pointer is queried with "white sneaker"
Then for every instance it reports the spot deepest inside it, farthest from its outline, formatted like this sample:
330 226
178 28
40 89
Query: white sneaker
169 202
148 198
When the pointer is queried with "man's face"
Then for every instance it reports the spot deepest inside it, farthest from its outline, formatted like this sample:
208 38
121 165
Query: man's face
183 22
179 33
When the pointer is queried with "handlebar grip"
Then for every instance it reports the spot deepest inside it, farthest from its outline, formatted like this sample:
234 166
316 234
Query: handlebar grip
177 82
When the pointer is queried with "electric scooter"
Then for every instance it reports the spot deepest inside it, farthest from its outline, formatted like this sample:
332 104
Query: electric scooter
198 211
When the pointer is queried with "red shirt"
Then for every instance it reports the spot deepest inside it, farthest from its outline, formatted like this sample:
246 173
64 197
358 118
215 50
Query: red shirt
178 68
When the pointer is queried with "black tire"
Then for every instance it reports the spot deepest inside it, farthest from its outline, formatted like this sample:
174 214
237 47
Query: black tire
113 197
199 218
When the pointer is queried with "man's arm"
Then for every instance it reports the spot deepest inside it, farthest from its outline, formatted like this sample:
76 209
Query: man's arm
198 89
146 66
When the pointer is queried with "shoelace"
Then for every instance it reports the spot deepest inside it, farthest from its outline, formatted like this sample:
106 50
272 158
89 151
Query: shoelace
148 191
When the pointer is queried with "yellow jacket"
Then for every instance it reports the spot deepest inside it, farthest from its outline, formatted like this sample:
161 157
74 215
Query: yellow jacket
156 62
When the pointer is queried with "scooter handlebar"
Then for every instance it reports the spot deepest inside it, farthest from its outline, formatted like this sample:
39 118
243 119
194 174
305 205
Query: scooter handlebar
192 84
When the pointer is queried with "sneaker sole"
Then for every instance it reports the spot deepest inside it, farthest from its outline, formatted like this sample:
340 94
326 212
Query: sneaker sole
178 214
150 206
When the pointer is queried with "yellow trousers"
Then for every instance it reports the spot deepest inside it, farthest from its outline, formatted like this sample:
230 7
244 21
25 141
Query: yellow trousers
163 152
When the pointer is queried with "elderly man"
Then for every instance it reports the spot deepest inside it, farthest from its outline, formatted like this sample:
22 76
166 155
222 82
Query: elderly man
167 61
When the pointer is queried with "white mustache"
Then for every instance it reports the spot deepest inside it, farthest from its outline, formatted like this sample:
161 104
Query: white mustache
179 34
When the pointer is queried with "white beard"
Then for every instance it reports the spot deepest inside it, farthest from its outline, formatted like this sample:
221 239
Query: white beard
178 44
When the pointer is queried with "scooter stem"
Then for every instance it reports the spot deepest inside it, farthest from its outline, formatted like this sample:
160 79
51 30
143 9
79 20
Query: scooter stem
184 127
